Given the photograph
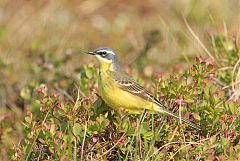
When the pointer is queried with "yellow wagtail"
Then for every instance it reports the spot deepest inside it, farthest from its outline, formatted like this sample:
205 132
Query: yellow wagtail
119 90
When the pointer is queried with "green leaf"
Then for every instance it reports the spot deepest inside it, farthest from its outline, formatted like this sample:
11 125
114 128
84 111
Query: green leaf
77 129
89 73
41 140
197 117
28 119
233 108
25 93
144 128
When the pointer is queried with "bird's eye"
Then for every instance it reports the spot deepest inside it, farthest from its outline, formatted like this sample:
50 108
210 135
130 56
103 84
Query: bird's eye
103 54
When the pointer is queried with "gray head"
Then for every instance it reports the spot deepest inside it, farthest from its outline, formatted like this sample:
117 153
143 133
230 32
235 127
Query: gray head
106 55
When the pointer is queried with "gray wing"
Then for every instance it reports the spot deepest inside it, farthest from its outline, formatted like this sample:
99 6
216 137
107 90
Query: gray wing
128 84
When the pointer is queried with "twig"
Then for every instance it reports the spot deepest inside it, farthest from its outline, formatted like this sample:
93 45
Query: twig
114 145
76 102
197 38
234 71
177 143
84 137
36 136
162 123
75 149
234 83
65 93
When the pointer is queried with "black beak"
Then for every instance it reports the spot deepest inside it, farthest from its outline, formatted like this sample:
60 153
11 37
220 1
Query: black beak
92 53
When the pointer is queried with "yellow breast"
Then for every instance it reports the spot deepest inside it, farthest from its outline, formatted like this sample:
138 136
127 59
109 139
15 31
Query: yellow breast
117 98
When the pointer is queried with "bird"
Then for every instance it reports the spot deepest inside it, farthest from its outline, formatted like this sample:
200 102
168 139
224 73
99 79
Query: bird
118 90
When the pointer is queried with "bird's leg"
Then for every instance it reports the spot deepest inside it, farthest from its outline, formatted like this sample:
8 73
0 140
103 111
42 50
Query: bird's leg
143 116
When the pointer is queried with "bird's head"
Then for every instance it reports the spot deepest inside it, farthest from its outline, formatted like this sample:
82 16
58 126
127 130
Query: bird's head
107 58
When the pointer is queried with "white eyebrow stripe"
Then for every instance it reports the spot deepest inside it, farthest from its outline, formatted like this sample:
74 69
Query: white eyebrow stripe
108 51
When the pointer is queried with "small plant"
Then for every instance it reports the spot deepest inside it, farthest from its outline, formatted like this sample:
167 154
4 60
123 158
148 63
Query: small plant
60 125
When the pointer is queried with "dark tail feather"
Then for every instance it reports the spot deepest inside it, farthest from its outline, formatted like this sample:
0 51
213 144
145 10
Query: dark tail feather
163 109
184 121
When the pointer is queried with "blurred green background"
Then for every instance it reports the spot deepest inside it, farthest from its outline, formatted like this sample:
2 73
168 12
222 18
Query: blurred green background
45 41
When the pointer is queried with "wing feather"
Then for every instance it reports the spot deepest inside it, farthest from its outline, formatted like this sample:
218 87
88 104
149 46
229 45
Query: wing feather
128 84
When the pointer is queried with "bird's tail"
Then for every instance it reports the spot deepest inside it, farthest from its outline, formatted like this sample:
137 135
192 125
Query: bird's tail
162 109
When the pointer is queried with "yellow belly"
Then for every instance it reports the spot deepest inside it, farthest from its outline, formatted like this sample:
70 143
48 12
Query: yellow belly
116 98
